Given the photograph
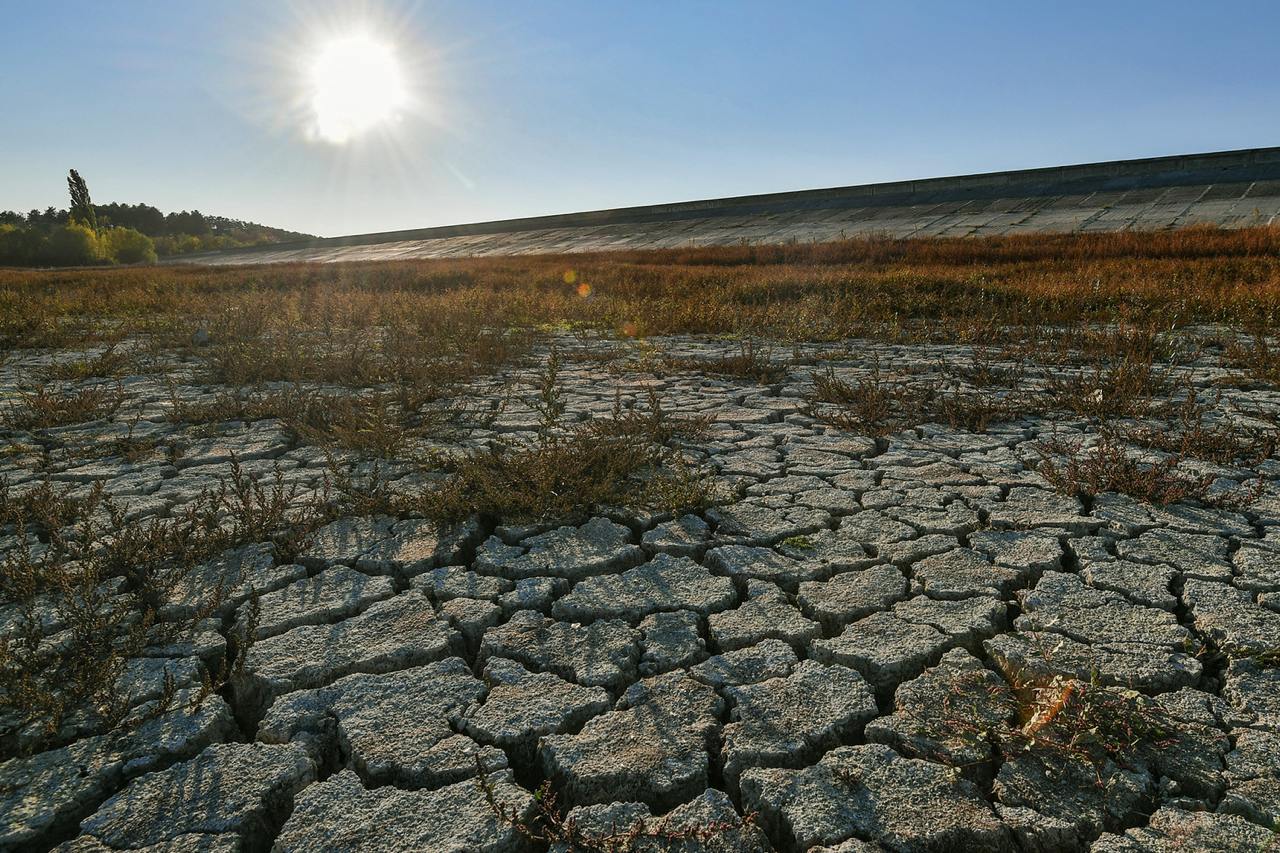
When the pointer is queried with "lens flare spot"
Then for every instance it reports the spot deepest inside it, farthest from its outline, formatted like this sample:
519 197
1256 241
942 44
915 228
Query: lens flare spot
584 290
570 276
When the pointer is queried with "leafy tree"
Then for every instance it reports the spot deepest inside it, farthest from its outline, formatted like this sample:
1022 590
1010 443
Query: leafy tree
128 246
22 246
73 245
81 205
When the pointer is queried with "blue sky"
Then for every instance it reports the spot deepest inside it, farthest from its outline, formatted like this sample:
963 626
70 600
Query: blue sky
527 108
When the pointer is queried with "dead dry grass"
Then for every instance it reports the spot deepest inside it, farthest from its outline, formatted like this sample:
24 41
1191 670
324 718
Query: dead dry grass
294 321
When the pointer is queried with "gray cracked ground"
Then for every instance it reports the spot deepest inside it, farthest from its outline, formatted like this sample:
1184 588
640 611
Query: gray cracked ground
809 652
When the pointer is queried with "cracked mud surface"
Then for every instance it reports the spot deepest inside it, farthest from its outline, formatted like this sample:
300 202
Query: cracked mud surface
846 648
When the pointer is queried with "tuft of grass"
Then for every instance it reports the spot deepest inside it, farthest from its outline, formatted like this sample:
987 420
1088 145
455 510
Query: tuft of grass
749 362
1109 467
870 405
628 459
1192 431
108 580
106 364
45 408
1258 356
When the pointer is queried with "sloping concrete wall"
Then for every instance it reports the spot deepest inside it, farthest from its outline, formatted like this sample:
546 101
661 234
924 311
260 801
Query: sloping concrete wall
1229 188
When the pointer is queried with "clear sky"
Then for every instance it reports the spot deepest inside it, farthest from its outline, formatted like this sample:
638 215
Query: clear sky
523 108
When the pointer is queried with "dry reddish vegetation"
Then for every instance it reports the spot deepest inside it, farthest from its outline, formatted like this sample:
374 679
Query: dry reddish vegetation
953 288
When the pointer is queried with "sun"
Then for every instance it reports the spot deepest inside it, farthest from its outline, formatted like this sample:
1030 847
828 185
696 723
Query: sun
355 83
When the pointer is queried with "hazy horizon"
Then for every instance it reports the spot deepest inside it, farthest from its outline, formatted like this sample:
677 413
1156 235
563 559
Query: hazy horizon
512 110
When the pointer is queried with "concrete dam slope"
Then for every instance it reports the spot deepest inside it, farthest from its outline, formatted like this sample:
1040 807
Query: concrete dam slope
1231 189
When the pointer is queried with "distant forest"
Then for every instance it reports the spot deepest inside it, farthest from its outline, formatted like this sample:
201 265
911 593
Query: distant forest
120 233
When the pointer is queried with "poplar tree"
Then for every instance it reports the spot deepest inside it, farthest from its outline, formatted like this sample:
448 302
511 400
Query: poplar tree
81 205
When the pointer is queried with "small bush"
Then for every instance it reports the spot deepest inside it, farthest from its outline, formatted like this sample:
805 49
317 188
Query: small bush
1109 467
127 246
44 408
73 245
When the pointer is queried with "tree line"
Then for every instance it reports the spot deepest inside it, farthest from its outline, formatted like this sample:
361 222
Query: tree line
88 233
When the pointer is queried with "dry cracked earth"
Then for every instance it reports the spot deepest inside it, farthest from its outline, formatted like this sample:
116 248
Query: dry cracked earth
852 652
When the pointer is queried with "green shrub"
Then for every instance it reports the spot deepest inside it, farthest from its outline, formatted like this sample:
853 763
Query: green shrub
73 245
21 246
128 246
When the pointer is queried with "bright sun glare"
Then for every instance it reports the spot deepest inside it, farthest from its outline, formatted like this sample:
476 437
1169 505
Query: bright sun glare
355 84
